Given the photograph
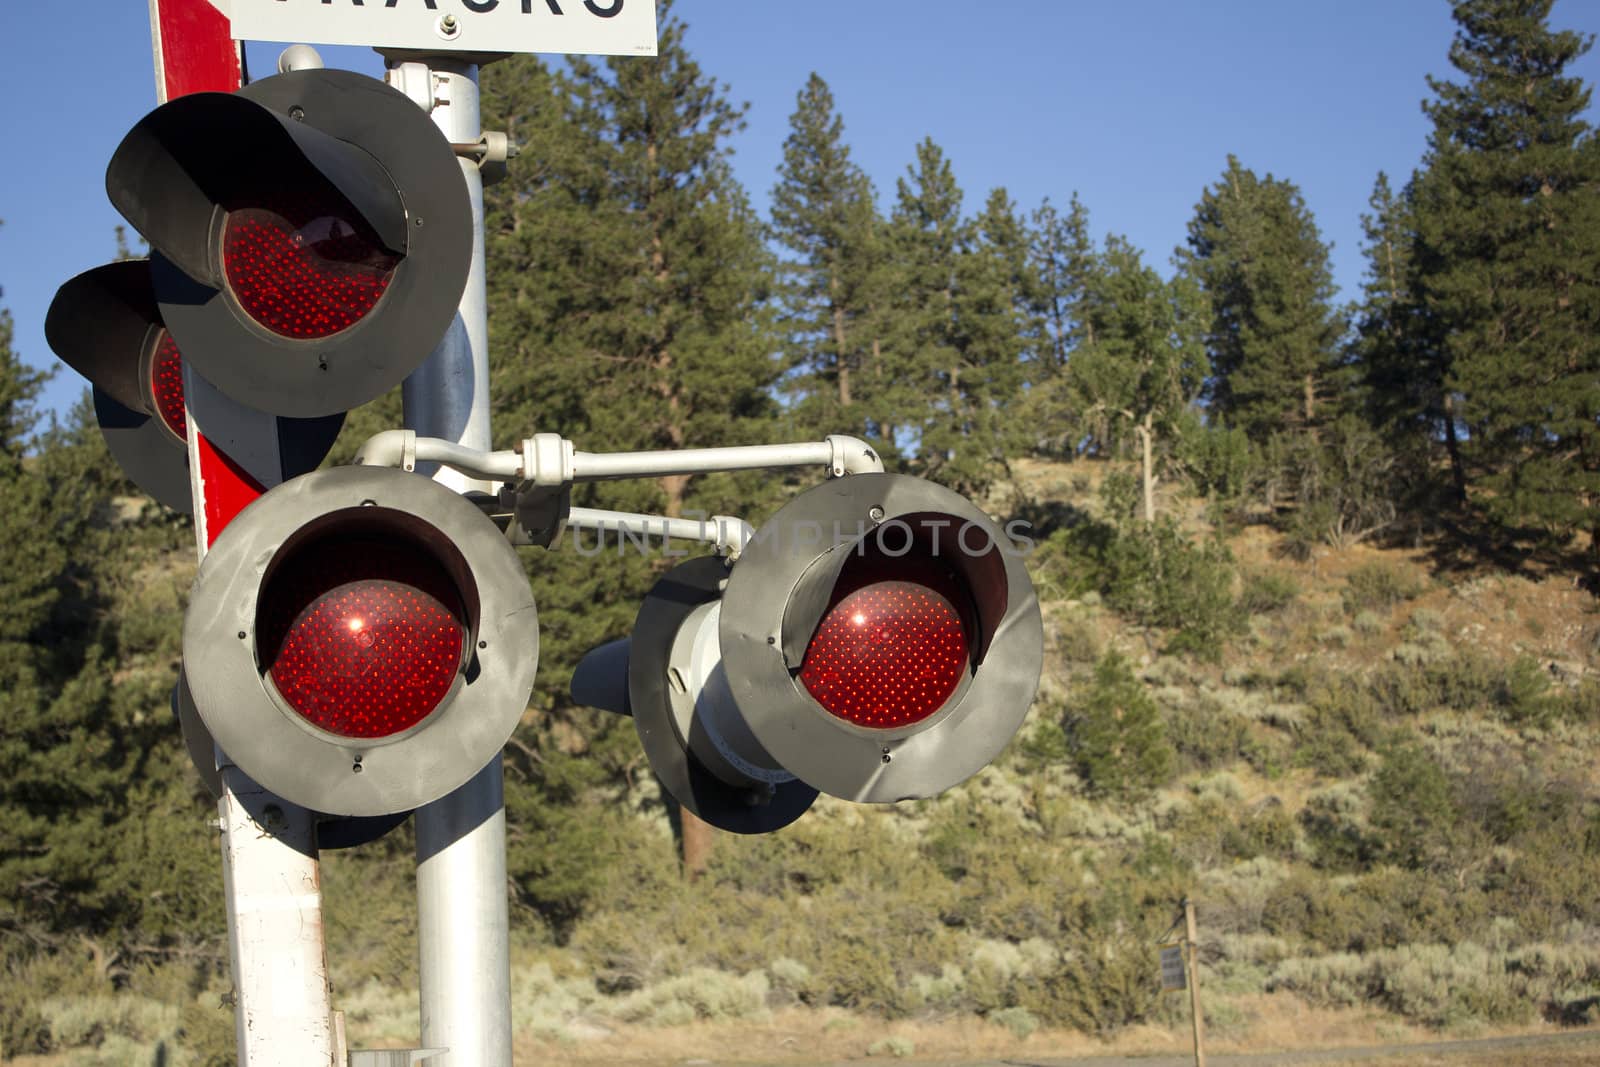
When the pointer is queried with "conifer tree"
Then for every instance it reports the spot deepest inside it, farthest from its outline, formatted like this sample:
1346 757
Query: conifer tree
629 266
628 280
1142 365
1396 347
953 337
1116 735
925 233
1255 249
101 831
685 356
1062 257
824 212
998 336
1508 263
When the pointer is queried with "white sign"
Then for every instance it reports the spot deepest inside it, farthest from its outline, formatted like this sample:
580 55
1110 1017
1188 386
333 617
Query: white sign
1171 967
599 27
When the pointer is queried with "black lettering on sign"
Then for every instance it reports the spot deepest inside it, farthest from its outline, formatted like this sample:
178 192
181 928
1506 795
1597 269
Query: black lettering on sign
325 3
429 3
527 7
481 6
604 12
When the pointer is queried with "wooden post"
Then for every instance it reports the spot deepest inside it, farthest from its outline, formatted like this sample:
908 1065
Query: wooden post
1193 962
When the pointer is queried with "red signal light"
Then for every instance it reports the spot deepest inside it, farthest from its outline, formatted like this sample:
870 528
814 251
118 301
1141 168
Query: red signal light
892 648
361 640
166 386
362 637
890 665
303 268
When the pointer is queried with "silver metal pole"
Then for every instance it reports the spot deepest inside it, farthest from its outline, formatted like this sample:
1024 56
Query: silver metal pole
463 927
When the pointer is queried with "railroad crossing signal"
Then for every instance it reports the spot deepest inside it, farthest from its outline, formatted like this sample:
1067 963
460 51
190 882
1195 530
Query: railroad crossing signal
105 324
878 639
361 640
311 235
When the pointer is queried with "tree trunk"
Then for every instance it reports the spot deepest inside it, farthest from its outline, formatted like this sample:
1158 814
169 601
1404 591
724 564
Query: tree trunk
698 838
1146 434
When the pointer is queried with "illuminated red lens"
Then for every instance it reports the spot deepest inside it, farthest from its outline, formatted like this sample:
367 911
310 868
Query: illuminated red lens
887 655
166 386
368 641
304 269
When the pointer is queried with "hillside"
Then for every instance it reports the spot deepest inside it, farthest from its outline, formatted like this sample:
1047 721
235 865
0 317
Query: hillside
1378 788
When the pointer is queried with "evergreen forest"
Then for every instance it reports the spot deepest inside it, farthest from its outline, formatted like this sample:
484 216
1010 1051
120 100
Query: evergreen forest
1319 582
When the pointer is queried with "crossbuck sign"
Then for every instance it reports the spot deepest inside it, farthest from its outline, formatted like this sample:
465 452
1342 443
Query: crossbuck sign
597 27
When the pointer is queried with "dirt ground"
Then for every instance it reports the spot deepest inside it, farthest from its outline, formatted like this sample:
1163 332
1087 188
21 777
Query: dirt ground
1283 1032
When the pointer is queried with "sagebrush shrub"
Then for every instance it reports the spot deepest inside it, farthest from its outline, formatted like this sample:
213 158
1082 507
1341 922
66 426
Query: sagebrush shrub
1381 584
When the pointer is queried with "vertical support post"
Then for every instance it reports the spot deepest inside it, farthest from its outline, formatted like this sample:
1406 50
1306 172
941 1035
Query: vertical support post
270 876
275 939
463 926
1193 962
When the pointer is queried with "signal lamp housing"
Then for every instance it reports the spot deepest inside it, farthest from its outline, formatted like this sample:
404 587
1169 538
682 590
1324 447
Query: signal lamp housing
361 641
881 638
693 734
312 235
105 325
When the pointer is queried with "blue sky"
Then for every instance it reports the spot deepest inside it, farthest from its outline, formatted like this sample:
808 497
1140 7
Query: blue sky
1135 105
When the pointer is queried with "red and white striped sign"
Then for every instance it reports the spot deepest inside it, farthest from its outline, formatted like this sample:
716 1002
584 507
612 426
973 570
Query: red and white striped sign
195 52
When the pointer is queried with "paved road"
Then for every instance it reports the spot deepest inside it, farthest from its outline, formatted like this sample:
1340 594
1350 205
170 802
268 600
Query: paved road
1505 1046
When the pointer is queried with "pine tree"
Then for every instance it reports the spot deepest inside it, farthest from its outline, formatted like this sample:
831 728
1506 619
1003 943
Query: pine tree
954 338
1142 365
925 234
998 336
1255 249
1508 264
824 212
1062 257
628 287
1116 734
102 839
1395 350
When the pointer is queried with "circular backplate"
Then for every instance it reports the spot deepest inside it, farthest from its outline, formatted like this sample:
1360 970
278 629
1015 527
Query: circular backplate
352 776
850 762
738 809
319 377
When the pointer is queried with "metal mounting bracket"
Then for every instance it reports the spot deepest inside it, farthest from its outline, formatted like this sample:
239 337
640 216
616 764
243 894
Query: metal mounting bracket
490 153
